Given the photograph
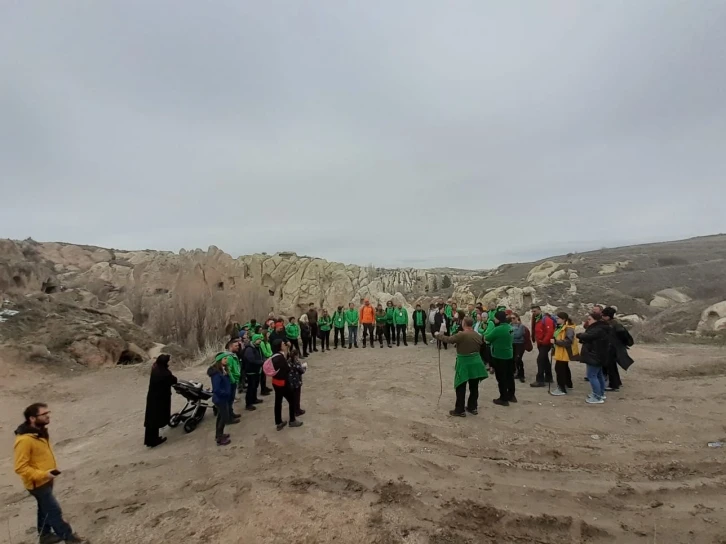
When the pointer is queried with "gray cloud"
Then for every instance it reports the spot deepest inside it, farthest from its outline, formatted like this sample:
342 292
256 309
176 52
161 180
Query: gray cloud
410 132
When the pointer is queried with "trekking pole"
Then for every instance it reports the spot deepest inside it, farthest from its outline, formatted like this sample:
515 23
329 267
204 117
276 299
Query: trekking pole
549 382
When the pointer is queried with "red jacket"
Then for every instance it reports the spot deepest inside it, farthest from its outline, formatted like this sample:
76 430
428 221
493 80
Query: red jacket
544 330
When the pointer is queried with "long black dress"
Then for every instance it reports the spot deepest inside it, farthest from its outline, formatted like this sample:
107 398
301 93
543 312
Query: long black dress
158 403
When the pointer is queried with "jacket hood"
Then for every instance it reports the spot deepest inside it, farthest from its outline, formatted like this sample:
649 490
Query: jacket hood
212 370
27 428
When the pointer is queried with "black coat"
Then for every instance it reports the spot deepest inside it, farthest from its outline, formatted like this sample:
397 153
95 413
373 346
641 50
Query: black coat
439 319
158 399
595 343
620 341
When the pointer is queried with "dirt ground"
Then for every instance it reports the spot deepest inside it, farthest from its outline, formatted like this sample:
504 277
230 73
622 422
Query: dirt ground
378 461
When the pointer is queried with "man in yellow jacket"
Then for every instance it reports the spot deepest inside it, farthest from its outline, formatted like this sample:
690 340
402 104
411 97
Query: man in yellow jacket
36 466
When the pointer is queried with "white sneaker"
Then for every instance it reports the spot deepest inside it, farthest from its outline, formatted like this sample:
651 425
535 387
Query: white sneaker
594 400
557 392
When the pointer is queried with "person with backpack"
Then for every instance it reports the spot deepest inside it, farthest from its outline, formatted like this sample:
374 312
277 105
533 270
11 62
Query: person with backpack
419 324
324 325
543 329
381 329
400 319
566 349
390 325
620 341
351 319
292 330
278 368
339 327
367 319
305 335
499 336
252 361
265 353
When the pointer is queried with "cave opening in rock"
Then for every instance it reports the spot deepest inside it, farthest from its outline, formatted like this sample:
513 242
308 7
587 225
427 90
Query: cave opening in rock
220 286
18 281
129 358
271 292
526 301
49 287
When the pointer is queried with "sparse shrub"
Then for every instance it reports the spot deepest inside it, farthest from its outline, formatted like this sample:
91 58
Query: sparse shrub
672 260
446 282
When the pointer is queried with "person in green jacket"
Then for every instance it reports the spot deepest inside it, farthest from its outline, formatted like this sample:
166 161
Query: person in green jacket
400 318
324 324
339 327
293 333
390 325
233 369
382 325
448 310
499 337
351 319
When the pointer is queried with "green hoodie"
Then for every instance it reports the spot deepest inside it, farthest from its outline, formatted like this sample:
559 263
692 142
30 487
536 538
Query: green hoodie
448 311
233 366
381 319
400 316
265 347
293 331
339 319
324 323
389 314
351 317
500 338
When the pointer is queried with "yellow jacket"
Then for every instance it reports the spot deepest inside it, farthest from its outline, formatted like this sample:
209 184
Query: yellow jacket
566 346
34 457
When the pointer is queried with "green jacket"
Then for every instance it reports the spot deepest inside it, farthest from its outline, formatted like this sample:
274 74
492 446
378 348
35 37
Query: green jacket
500 338
265 349
324 322
381 319
233 366
448 311
389 315
293 331
351 317
400 316
339 320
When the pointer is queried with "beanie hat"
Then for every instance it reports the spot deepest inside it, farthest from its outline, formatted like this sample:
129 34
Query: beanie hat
609 312
501 316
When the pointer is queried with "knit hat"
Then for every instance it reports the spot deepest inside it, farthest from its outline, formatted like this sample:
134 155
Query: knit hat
501 316
256 337
609 312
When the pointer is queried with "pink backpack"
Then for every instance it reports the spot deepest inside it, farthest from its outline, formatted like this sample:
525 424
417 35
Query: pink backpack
268 368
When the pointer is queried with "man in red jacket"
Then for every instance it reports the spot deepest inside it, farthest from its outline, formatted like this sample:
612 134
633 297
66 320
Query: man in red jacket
543 327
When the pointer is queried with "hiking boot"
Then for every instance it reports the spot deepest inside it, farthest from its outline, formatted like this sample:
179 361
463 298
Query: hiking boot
454 413
50 538
613 389
335 347
557 392
257 401
570 386
472 411
316 349
300 413
266 392
224 441
350 347
594 400
364 344
75 539
234 421
251 408
356 346
537 384
390 346
236 416
501 402
296 423
281 426
513 398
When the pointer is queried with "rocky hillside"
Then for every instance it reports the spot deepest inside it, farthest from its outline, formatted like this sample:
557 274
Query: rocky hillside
96 306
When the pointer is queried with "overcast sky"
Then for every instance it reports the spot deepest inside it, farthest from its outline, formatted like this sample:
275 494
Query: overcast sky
415 133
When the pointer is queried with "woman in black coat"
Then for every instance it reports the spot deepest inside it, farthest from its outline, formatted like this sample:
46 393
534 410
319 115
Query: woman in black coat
158 401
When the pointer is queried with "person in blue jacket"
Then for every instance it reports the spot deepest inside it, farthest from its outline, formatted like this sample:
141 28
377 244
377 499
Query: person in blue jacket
221 398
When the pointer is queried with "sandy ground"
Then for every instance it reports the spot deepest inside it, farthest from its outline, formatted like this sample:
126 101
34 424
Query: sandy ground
378 461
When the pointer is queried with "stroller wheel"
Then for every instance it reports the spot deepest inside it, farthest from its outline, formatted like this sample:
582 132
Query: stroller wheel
190 425
174 421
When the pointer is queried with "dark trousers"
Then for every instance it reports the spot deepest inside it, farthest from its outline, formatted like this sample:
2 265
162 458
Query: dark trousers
295 343
486 354
367 331
50 516
612 374
544 366
296 393
504 371
324 340
284 392
419 329
440 344
339 332
222 419
307 345
401 332
473 396
314 336
519 360
251 395
391 330
151 436
263 383
564 376
381 332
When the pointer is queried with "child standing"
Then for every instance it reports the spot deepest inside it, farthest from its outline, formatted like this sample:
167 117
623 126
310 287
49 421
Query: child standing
297 369
221 398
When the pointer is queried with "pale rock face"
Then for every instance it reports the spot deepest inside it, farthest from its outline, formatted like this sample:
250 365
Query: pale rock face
542 273
612 268
558 275
713 318
668 298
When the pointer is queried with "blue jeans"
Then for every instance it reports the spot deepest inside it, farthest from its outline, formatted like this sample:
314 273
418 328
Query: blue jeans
597 380
352 335
50 515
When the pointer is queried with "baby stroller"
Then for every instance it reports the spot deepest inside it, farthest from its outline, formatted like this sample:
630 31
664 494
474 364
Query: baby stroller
195 408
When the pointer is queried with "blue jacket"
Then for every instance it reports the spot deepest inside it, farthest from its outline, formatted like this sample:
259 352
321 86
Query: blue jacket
221 386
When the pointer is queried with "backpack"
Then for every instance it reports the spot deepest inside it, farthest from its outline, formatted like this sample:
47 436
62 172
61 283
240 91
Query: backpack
268 368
